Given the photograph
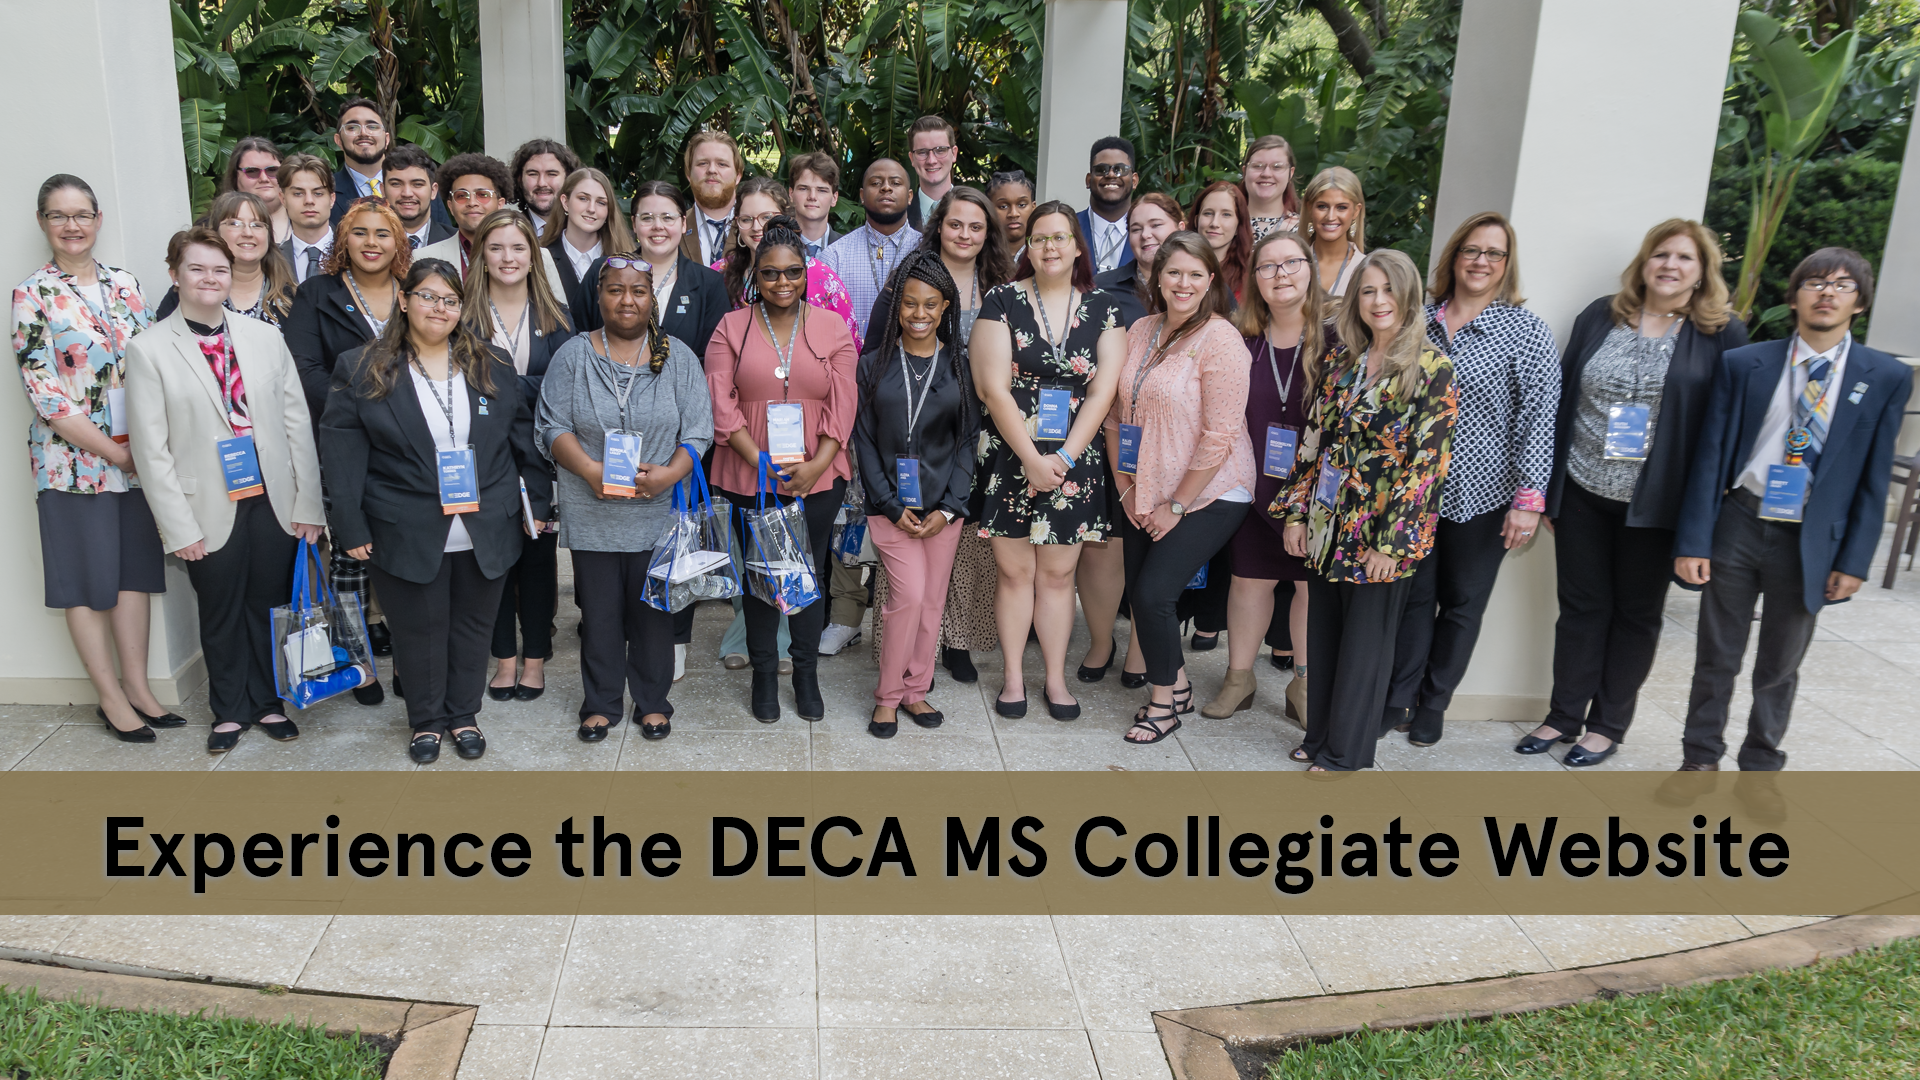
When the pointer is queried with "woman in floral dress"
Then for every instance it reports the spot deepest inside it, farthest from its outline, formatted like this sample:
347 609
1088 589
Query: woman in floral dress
1048 337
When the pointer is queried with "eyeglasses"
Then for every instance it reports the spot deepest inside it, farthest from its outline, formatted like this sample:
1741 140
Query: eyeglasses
370 127
1289 267
644 220
758 221
466 195
435 300
926 152
58 220
1842 286
244 226
1056 240
775 273
1492 255
628 262
1111 170
1268 170
255 172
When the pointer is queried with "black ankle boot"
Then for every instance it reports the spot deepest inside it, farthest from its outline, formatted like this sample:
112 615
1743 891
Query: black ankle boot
1426 727
806 695
766 696
960 665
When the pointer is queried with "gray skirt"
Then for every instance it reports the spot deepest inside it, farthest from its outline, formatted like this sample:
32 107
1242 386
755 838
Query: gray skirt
95 547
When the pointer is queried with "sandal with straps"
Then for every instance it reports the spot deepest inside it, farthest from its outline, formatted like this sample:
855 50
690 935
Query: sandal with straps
1145 720
1183 707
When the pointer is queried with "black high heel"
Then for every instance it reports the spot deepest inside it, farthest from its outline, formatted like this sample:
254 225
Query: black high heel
165 719
143 733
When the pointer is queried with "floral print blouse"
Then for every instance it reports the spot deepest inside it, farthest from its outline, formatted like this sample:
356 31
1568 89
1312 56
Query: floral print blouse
72 352
1385 465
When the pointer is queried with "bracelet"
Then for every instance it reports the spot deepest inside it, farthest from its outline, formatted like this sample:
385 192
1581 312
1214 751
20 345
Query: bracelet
1064 456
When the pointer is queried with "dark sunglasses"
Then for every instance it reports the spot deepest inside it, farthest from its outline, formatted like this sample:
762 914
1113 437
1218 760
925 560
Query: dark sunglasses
774 273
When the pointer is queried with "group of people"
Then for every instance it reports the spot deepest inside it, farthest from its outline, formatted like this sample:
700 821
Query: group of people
1231 412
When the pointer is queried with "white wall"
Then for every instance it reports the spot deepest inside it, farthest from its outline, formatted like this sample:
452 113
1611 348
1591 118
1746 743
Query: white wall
93 87
523 82
1083 76
1586 124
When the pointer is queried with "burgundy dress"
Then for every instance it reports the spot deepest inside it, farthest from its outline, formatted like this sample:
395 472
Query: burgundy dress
1257 548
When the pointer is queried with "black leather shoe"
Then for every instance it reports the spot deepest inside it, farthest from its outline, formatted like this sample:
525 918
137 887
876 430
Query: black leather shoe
596 732
1131 680
425 748
1089 673
470 744
1533 745
1204 643
380 639
219 742
280 730
653 731
806 696
959 664
1428 725
1280 661
502 693
1395 720
165 719
932 718
371 694
143 733
528 693
766 696
1062 712
1580 757
883 731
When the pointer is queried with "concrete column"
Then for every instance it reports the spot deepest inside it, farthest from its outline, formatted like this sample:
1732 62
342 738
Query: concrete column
1895 326
523 85
109 63
1083 76
1549 124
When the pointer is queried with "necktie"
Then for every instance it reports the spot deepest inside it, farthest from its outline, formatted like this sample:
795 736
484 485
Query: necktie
719 234
413 240
1110 250
313 263
1810 410
375 185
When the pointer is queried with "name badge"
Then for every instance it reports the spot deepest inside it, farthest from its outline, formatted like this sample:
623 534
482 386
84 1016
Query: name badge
459 483
1786 496
1326 491
617 468
786 433
1056 414
1626 433
117 413
1199 578
1281 444
906 478
1128 457
242 467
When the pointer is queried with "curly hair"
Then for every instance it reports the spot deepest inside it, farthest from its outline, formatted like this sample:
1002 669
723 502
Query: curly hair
994 265
336 260
923 265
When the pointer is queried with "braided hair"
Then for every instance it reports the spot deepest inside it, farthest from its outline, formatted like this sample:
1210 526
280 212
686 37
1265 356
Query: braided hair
925 266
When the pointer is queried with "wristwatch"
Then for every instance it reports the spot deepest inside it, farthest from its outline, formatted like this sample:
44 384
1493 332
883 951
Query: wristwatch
1178 510
950 516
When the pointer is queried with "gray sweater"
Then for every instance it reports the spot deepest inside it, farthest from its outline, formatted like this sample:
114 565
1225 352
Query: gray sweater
579 396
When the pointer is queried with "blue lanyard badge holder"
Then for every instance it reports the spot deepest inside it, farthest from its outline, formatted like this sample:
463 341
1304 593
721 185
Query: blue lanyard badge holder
693 560
779 557
1786 496
320 644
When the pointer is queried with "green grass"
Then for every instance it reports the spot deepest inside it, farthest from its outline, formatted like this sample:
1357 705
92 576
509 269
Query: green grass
57 1040
1847 1019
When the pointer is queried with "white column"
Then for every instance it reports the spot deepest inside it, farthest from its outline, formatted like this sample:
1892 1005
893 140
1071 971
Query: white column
1895 325
1586 124
1083 75
523 85
109 66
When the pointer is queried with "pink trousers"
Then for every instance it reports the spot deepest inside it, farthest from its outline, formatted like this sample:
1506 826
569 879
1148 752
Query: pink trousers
917 574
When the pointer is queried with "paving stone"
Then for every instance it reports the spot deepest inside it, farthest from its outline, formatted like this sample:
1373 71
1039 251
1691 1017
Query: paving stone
501 1052
689 971
856 1054
585 1053
264 949
1127 967
943 971
508 965
1364 952
1604 939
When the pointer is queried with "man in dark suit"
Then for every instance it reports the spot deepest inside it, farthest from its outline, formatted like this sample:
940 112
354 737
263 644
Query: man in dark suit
363 137
1785 502
412 190
1110 182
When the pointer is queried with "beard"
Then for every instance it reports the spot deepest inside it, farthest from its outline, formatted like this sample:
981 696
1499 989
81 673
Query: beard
879 218
721 205
376 159
1108 208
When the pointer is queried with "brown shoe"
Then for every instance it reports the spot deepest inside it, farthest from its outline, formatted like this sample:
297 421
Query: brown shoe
1297 701
1236 693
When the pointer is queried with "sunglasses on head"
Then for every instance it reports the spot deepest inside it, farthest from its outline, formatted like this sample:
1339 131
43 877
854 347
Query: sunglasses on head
629 262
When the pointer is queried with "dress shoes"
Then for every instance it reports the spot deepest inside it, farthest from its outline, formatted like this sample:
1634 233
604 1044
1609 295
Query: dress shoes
1580 757
502 693
380 639
470 744
165 719
425 748
219 742
932 718
596 732
143 733
281 730
959 664
370 693
528 693
806 696
766 696
1132 680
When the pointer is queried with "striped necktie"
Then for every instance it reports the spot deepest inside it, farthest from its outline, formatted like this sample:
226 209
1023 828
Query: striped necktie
1810 411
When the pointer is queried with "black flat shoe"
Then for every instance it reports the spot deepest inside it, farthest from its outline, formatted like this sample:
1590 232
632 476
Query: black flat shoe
281 731
883 731
1062 712
371 694
425 748
959 664
1131 680
1204 642
143 733
1089 673
595 732
656 731
766 697
379 639
528 693
1280 661
1532 745
1012 710
165 719
502 693
1580 757
219 742
470 744
932 718
806 696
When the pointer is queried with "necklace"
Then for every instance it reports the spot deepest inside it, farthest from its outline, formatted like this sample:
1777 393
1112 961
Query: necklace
783 372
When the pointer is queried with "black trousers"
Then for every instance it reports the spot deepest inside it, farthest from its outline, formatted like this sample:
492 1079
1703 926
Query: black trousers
1754 561
625 642
1158 572
1613 580
236 587
1350 634
440 636
530 596
1445 605
803 626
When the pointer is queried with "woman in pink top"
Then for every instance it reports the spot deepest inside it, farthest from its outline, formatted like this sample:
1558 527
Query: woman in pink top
1177 435
778 352
760 200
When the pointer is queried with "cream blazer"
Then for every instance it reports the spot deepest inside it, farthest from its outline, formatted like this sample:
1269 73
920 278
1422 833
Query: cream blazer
176 419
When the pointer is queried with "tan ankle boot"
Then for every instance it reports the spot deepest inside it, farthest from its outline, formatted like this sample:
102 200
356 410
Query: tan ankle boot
1297 701
1236 693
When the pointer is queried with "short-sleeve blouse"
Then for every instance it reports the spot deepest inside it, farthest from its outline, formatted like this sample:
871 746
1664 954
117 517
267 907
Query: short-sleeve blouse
71 341
740 375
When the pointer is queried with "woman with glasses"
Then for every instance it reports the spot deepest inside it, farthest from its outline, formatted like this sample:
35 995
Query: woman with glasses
1506 376
1643 359
1283 324
262 279
1047 351
72 319
781 376
591 225
1266 178
440 531
689 297
515 309
626 377
1011 194
1219 215
1335 219
759 200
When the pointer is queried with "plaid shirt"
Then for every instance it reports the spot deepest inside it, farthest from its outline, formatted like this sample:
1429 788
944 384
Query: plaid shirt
863 260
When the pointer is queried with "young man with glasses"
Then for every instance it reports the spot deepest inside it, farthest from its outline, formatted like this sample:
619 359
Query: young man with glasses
933 147
363 138
1784 504
1110 182
473 186
307 195
254 167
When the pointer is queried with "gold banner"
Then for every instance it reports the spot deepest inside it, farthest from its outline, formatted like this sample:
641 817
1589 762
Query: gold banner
959 843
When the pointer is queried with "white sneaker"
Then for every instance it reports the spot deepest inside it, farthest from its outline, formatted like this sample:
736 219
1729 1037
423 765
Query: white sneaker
836 637
679 662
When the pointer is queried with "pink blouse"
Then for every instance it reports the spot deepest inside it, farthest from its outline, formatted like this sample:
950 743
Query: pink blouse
740 365
1192 411
825 291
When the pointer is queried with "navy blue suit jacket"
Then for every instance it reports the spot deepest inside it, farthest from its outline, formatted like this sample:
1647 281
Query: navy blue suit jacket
1086 233
345 191
1847 499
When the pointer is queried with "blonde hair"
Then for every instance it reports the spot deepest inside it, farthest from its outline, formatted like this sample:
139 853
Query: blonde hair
1402 361
1252 318
1440 284
1344 182
548 315
1709 309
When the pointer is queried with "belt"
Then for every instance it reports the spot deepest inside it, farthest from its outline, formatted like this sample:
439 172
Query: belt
1745 498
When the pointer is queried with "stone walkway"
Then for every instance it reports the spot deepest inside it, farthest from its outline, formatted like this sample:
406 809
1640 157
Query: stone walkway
862 998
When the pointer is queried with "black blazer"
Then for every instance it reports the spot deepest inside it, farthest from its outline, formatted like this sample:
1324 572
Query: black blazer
1683 408
345 191
540 350
384 479
1122 283
698 303
1847 498
576 296
944 443
324 325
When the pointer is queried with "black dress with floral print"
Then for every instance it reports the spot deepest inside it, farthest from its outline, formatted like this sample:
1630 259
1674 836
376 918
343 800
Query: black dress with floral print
1076 511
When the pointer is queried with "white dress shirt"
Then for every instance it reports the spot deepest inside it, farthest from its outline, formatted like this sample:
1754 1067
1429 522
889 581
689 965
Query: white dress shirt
580 259
461 435
710 250
365 185
422 236
1109 242
1770 445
